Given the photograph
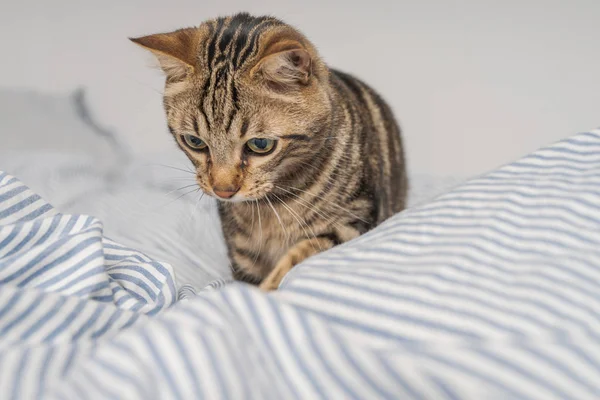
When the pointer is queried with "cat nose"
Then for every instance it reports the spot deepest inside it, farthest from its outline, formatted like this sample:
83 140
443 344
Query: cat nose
225 192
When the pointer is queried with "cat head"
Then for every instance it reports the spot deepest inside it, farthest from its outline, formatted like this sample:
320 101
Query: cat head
246 99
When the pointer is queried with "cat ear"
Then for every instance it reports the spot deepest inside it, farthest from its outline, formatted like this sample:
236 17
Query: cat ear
175 51
287 68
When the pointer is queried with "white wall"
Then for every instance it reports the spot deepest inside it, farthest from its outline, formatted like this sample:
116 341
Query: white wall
474 83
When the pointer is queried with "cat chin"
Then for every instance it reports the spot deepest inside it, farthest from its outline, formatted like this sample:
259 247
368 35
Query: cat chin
235 199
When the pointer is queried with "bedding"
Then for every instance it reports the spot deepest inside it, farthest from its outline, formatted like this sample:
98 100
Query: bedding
488 292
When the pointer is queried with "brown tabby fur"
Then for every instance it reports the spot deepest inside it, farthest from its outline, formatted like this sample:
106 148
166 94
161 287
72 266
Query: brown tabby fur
338 167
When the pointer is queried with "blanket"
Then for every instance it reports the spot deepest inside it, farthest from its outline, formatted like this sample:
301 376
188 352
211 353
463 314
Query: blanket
489 291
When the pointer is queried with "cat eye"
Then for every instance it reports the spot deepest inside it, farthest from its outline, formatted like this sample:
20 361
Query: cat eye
261 145
194 142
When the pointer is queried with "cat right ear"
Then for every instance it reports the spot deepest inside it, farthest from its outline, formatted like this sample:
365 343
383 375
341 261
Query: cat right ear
175 51
288 67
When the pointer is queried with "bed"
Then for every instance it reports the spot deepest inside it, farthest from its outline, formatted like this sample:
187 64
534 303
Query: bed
487 291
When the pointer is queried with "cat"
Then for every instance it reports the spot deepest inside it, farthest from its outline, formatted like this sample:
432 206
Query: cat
301 157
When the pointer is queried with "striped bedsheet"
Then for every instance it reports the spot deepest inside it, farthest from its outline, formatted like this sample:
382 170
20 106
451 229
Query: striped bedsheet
492 291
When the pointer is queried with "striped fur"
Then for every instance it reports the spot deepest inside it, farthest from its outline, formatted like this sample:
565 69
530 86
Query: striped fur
337 169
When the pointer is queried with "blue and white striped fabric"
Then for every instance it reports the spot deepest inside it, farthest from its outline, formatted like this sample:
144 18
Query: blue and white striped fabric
491 291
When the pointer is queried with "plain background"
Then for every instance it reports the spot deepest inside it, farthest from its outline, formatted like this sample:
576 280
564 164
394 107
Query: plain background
474 83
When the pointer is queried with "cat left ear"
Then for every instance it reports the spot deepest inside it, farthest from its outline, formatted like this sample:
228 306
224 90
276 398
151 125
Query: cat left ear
287 68
176 51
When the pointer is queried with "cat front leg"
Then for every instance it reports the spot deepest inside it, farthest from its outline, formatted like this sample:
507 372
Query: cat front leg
298 253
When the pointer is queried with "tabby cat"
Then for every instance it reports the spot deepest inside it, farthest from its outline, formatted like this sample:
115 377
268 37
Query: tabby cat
302 157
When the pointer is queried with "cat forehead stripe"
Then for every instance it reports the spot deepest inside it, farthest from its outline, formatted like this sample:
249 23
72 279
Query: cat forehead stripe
224 56
246 31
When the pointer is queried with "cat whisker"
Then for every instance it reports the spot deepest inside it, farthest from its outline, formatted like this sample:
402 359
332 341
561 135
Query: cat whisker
196 205
310 207
287 236
328 179
312 166
180 178
252 223
179 197
176 168
297 217
181 188
261 234
330 202
186 193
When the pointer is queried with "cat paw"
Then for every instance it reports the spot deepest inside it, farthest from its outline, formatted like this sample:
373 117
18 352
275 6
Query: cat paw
269 285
